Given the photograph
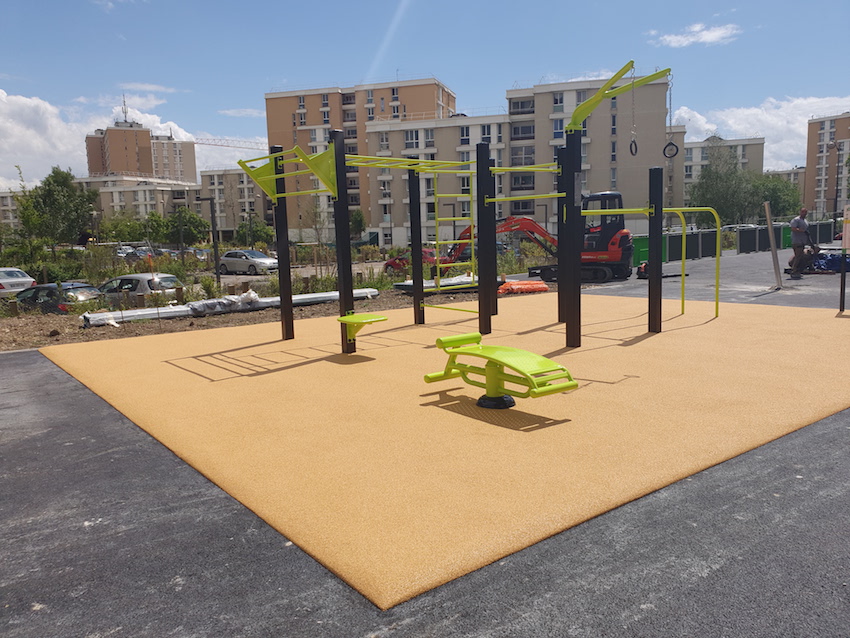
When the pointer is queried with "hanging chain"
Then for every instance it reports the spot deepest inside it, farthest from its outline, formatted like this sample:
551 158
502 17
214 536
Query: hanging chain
670 106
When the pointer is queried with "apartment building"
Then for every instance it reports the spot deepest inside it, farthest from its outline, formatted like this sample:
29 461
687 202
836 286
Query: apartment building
8 210
796 176
233 196
530 132
418 118
305 118
827 145
128 148
749 154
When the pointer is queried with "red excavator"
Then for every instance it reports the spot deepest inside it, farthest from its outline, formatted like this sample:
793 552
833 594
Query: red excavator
607 252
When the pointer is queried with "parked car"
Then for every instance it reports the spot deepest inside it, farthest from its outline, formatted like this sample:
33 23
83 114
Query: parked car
49 298
247 261
13 280
158 283
402 261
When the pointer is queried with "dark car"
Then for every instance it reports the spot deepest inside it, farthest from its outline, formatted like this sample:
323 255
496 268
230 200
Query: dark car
50 299
402 261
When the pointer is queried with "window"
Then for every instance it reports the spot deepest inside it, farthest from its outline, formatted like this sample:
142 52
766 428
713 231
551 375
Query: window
689 155
411 139
384 141
324 100
689 172
522 155
312 135
382 105
464 135
464 184
395 93
613 151
704 154
614 103
429 187
302 119
395 111
430 211
485 133
613 178
354 199
387 211
522 181
584 128
613 125
464 157
581 96
522 207
522 131
349 98
522 106
351 149
348 116
301 102
370 113
370 96
429 138
558 102
558 129
498 133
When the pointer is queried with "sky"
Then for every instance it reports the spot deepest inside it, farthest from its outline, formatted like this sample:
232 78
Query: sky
201 69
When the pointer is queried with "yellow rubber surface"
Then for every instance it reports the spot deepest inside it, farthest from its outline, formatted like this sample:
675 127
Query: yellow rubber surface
398 486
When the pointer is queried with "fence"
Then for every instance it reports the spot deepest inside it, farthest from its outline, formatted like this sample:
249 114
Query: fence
702 243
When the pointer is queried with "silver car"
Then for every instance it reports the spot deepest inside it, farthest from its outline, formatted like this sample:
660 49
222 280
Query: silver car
13 280
247 261
158 283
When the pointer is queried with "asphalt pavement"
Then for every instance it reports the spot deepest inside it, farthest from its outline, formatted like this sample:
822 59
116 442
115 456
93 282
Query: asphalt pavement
106 533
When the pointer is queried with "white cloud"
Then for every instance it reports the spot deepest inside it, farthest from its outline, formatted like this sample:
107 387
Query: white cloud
697 34
35 136
243 112
783 123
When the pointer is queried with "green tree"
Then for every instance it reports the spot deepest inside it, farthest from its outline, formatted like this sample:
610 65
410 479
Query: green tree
156 228
256 232
195 228
356 224
64 208
122 227
28 234
723 186
784 197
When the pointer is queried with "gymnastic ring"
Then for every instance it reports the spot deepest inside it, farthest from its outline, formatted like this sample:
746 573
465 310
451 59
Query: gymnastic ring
633 148
671 150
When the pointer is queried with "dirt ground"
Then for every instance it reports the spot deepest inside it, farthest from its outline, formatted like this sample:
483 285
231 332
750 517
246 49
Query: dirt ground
36 330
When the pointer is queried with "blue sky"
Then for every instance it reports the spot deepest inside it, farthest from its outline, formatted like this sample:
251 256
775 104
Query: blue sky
201 69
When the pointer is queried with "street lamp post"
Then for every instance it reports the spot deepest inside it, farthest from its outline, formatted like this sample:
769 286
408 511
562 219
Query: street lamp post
834 145
214 224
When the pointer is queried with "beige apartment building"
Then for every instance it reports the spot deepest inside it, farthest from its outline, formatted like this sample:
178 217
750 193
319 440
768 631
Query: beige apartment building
128 148
418 119
796 176
827 144
749 153
235 198
305 118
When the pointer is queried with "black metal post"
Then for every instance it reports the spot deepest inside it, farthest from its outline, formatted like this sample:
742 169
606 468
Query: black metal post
343 240
414 196
284 263
570 237
487 267
843 280
656 216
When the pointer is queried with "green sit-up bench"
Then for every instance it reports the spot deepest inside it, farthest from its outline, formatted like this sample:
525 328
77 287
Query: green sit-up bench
531 374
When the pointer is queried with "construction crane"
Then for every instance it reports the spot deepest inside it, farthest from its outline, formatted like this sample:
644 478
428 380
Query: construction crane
232 143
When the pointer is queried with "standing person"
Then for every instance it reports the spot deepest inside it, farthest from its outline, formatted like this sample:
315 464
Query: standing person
799 239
